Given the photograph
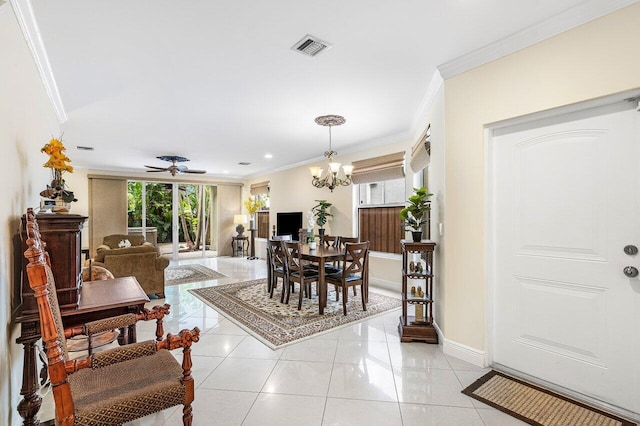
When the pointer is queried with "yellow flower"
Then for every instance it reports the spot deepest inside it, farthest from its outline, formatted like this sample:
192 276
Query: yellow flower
57 160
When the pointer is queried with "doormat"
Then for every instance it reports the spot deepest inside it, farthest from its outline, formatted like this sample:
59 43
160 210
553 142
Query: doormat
180 274
536 405
276 324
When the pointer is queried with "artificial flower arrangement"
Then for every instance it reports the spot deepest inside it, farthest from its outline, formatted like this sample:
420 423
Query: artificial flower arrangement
58 165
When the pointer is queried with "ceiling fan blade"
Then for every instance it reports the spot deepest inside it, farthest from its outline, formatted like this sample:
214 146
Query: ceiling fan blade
157 168
194 171
180 168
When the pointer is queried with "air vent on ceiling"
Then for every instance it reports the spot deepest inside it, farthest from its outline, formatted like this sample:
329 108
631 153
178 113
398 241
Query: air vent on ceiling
310 45
244 163
84 148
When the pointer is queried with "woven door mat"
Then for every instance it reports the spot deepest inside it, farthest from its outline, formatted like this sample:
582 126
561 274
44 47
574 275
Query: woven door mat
536 405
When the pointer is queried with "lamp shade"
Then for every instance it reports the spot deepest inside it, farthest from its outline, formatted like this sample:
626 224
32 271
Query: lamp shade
240 218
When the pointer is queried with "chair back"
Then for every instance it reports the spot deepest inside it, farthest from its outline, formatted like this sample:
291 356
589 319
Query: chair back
43 285
292 253
356 257
330 241
276 254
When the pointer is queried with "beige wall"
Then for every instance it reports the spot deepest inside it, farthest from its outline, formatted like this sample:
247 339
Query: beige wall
291 191
228 202
593 60
27 123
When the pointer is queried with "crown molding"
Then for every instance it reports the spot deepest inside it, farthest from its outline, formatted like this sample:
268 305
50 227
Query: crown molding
29 26
570 18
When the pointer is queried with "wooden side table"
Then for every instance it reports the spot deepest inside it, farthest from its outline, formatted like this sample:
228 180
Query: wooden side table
240 245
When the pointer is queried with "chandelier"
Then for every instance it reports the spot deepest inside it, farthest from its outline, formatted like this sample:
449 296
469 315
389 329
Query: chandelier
331 179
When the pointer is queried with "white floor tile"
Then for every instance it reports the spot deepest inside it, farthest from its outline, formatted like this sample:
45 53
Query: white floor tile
417 355
299 378
217 407
368 380
420 415
351 412
365 331
439 387
494 417
226 326
216 345
320 350
240 374
251 347
355 351
280 410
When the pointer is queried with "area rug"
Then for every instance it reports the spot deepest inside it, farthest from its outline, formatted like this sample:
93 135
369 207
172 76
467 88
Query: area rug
180 274
277 324
536 405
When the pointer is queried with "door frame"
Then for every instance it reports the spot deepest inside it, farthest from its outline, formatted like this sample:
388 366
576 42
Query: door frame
490 223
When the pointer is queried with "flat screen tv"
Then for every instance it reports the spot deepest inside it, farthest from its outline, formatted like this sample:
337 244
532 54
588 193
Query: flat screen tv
289 223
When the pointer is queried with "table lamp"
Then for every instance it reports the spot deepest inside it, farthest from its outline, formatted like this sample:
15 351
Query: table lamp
240 220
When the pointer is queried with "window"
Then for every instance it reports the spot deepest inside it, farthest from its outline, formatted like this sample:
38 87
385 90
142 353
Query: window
378 221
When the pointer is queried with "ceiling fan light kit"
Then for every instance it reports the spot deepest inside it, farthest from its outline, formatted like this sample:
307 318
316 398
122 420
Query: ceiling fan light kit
174 169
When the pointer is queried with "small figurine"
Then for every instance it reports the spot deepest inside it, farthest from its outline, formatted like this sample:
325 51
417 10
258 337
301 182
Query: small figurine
412 266
413 290
419 292
419 268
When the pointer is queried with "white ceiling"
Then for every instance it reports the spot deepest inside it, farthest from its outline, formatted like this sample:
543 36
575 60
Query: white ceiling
216 81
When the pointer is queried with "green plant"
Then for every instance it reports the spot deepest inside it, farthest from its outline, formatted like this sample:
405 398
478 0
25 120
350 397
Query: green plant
414 214
311 239
321 212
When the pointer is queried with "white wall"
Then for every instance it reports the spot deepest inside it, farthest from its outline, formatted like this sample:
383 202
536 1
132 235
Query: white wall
27 123
590 61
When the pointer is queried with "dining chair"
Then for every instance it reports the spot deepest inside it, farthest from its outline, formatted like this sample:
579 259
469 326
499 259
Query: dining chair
341 242
354 272
277 267
297 273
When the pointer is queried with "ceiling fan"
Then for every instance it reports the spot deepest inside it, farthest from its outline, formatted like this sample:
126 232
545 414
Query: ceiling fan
174 169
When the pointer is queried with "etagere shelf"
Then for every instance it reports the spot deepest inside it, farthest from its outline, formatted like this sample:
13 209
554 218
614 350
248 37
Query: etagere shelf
417 291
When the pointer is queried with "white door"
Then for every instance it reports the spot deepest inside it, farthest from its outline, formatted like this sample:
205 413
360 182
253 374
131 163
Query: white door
566 196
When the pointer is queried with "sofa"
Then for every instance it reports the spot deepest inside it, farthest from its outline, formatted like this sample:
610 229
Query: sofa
129 255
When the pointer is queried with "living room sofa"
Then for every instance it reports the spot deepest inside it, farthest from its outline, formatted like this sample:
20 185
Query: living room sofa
129 255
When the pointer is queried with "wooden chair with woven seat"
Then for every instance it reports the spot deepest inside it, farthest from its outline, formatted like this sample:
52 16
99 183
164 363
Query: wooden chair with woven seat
296 272
113 386
354 272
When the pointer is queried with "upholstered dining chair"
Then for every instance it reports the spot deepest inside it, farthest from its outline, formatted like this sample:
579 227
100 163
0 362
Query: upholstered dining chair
297 273
277 267
114 386
354 272
341 242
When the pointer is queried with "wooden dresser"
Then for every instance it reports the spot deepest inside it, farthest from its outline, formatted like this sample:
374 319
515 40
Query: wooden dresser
61 232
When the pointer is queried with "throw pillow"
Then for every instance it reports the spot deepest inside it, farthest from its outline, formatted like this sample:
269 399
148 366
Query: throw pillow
124 244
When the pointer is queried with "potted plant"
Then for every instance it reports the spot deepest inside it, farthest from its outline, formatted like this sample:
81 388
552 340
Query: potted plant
253 204
415 214
321 212
312 242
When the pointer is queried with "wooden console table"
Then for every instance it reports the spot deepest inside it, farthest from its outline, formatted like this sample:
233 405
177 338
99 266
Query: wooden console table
98 300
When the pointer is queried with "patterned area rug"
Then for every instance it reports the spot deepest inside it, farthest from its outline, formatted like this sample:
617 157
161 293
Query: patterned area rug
536 405
180 274
277 324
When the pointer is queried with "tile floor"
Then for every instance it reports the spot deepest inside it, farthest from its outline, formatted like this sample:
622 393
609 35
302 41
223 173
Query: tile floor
359 375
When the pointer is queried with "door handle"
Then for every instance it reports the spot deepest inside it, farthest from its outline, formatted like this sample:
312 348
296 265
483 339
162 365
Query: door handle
630 271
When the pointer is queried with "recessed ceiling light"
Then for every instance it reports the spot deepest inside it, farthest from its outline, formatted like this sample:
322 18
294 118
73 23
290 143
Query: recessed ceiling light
226 172
83 148
244 163
268 156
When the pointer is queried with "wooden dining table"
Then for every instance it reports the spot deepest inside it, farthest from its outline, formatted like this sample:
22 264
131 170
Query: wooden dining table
321 256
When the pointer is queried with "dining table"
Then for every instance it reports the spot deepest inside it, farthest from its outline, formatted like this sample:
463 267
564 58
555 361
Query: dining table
321 255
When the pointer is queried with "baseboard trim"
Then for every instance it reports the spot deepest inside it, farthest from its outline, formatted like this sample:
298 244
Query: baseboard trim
464 352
